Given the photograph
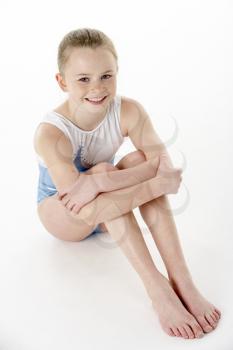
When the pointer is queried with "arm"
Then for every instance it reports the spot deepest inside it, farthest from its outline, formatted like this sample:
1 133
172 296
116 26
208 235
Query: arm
141 131
142 134
88 186
117 179
56 150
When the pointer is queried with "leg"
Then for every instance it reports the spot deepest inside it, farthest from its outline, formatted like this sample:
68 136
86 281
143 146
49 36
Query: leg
158 217
134 247
126 232
63 224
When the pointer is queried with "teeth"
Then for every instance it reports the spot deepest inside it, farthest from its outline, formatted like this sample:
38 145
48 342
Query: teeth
95 99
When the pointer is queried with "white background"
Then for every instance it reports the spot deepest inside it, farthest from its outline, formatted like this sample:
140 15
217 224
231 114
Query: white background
175 57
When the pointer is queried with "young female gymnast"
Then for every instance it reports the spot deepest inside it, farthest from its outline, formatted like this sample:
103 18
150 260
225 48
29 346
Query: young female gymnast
80 188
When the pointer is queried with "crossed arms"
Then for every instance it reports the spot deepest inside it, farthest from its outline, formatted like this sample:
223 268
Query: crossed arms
142 134
56 150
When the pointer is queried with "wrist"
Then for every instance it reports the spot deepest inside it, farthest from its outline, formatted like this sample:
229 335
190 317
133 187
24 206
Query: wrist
161 185
94 181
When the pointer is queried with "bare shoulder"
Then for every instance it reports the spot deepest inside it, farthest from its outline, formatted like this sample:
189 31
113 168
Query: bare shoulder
46 131
49 131
131 110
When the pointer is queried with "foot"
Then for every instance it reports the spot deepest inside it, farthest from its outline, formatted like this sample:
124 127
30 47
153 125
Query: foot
174 318
204 312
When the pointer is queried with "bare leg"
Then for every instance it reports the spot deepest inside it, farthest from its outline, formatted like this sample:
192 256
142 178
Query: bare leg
110 205
175 319
62 222
158 217
165 235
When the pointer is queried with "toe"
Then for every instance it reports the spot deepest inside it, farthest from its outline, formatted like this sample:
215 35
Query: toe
176 332
170 332
211 321
204 324
215 316
197 330
189 331
218 312
183 332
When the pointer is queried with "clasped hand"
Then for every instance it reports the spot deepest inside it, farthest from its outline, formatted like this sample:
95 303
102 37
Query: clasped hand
80 193
85 189
170 177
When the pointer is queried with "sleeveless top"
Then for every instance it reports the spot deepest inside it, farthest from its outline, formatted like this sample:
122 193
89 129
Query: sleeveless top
89 147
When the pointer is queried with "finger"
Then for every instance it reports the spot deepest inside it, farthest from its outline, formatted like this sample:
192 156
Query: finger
63 194
70 205
64 198
65 201
76 208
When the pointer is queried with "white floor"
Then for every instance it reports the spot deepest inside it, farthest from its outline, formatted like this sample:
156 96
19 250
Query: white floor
57 295
62 295
85 295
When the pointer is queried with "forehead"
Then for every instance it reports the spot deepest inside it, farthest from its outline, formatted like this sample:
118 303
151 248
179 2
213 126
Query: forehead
88 60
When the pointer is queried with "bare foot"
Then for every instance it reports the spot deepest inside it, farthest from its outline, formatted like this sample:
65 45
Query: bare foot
174 318
205 313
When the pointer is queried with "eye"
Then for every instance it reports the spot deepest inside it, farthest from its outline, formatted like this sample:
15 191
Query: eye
83 80
107 75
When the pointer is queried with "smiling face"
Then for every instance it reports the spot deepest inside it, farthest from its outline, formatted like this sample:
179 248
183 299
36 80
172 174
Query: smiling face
89 74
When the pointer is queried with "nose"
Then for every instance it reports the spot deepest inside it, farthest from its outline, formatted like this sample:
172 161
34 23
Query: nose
96 85
97 88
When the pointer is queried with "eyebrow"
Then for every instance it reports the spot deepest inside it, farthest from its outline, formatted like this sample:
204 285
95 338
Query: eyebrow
107 71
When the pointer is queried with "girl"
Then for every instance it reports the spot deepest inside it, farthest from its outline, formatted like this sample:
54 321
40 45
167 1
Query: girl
81 192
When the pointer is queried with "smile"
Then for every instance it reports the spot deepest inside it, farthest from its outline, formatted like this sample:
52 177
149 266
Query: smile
96 101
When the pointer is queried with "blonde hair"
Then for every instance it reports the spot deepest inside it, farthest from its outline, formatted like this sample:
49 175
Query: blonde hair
83 37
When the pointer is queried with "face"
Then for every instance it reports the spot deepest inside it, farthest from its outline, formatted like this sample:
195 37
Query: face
89 74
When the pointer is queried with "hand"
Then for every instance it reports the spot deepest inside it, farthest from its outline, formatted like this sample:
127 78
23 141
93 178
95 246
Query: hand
80 193
170 177
154 162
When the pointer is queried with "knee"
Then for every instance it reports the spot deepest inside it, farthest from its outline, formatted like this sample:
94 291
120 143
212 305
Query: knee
107 166
131 159
102 167
138 156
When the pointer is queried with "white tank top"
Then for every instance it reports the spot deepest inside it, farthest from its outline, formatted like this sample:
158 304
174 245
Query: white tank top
94 146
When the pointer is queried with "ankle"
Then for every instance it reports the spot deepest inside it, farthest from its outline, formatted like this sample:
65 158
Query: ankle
155 289
180 273
181 279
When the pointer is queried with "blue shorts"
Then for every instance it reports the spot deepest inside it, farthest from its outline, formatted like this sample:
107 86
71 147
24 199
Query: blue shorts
47 188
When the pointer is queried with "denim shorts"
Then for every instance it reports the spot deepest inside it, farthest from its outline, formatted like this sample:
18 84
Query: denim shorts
47 188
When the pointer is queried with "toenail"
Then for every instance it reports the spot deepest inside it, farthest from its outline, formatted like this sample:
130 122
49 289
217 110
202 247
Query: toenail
201 335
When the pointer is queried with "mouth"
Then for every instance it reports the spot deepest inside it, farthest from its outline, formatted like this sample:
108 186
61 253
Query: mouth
96 101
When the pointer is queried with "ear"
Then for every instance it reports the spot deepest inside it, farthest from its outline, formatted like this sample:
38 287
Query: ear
61 82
